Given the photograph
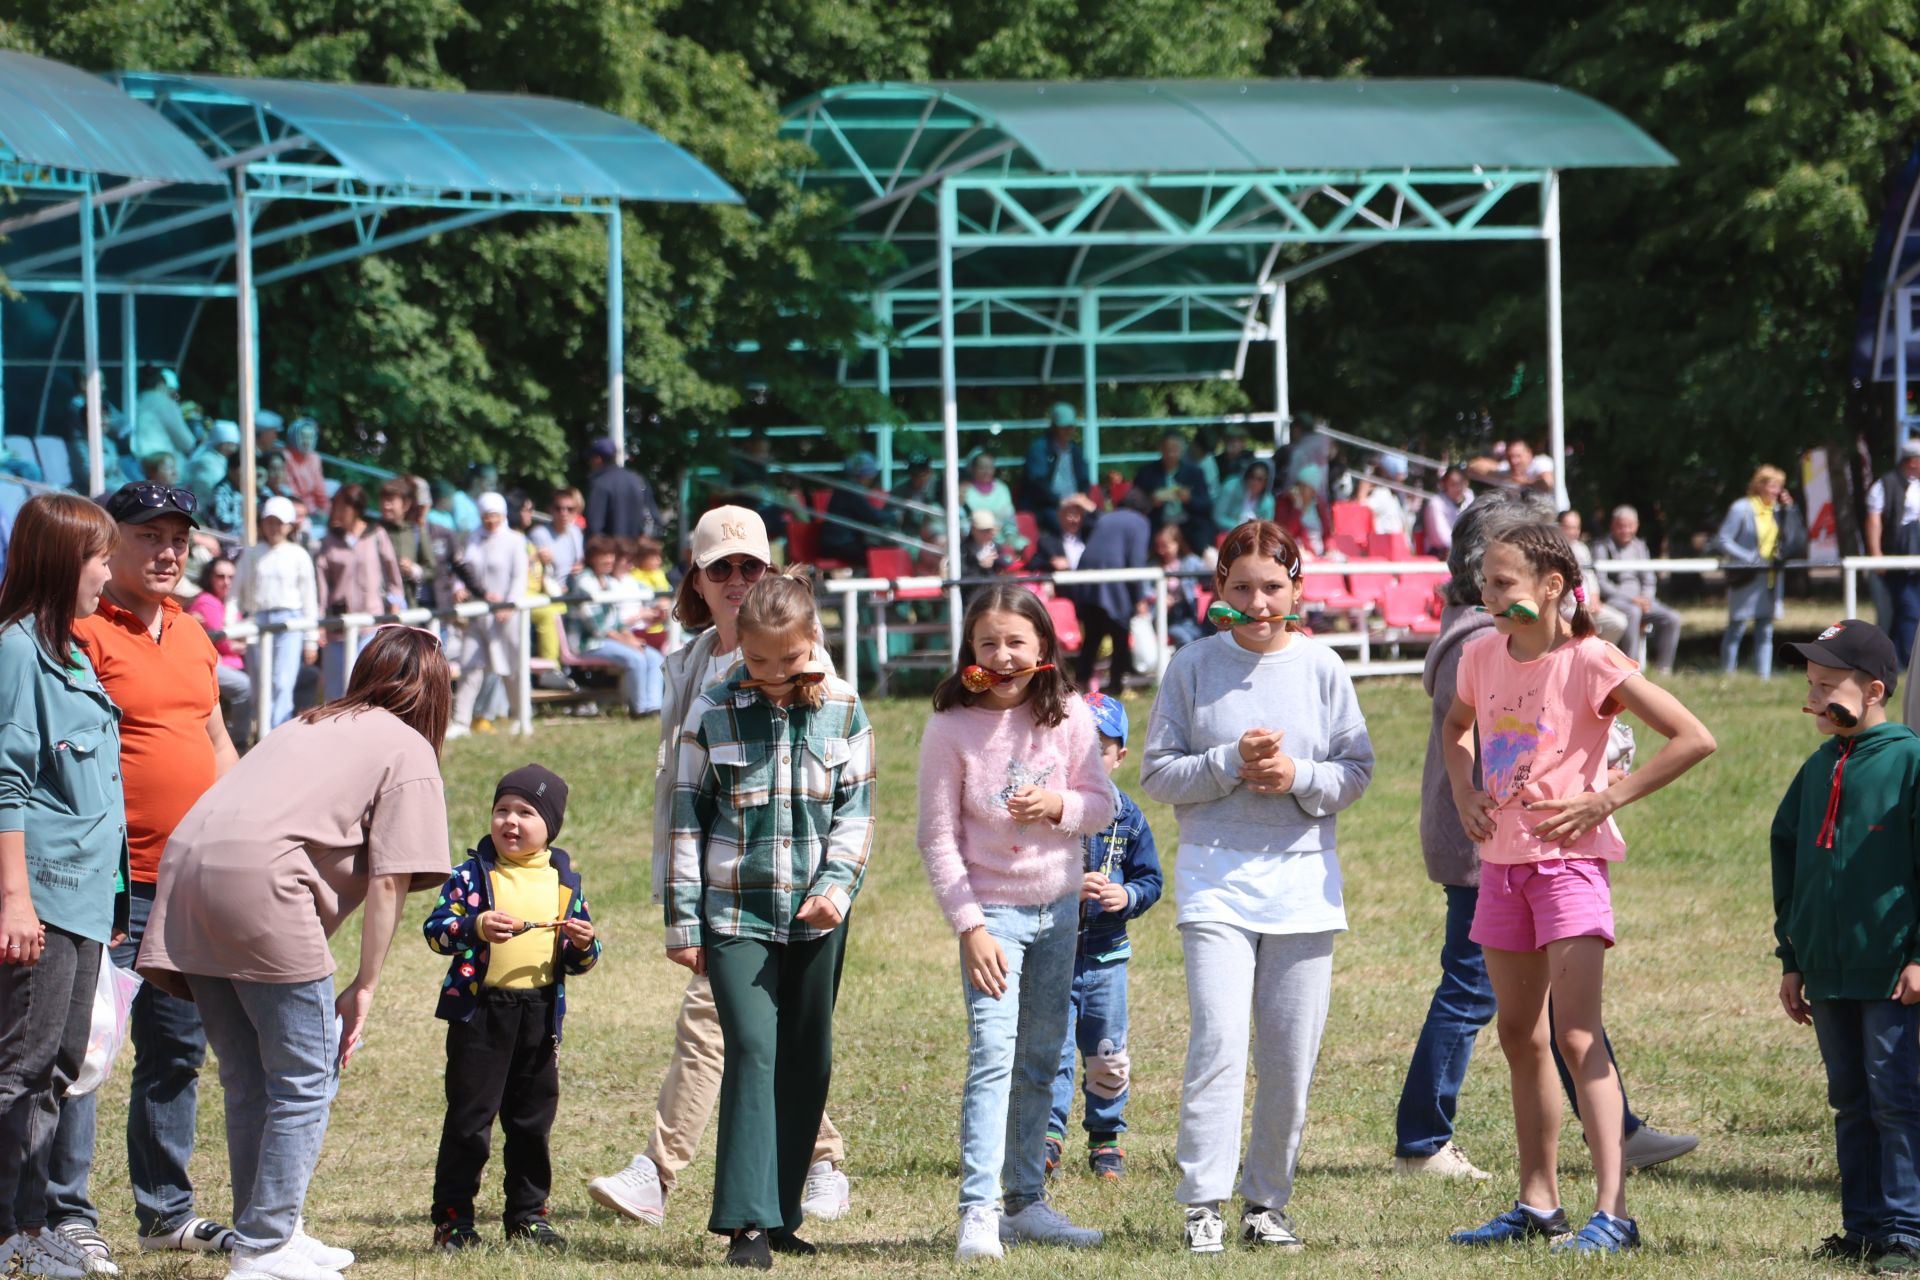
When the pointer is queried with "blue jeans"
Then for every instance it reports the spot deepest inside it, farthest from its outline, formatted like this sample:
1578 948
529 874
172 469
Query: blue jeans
286 664
1097 1032
642 673
1462 1005
1762 646
1872 1052
1904 588
1013 1051
168 1050
336 668
279 1050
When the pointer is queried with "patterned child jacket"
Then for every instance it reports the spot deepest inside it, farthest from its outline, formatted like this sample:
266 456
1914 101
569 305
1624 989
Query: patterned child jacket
451 932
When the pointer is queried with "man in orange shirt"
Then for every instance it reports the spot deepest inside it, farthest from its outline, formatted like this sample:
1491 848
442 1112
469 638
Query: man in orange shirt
157 665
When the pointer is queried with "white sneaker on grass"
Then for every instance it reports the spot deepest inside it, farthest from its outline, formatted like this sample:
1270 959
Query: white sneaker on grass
1268 1227
194 1235
320 1255
1448 1162
1041 1223
285 1263
634 1192
828 1195
1206 1231
979 1234
87 1239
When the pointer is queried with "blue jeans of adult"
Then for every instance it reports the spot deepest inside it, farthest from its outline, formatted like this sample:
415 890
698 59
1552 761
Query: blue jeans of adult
46 1011
279 1050
1762 645
169 1047
336 666
641 675
1097 1034
1013 1052
1462 1005
286 664
1904 588
1872 1052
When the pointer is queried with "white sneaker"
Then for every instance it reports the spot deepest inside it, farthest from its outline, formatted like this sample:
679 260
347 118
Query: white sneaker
285 1263
979 1234
37 1256
1041 1223
1448 1162
1206 1231
1648 1147
634 1192
93 1246
828 1194
1269 1227
195 1235
320 1255
458 731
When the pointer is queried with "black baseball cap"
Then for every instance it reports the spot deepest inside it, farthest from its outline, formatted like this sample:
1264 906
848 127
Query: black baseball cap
1853 645
143 501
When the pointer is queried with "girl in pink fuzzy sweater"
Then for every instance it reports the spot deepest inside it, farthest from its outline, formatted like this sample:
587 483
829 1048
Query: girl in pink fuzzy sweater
1010 780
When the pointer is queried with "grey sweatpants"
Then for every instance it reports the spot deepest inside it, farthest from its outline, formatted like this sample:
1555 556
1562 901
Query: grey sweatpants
1275 986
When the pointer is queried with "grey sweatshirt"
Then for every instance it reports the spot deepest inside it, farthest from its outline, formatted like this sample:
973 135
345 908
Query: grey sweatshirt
1213 692
1451 856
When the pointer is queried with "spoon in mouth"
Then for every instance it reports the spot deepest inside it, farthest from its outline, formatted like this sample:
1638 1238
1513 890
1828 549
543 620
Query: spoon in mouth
1519 611
1222 614
978 679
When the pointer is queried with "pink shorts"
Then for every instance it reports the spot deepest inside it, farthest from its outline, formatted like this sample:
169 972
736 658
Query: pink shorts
1525 906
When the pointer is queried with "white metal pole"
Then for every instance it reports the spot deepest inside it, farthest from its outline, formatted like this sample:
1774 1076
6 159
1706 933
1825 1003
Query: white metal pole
90 322
950 409
616 340
249 353
1556 374
522 667
129 358
1282 383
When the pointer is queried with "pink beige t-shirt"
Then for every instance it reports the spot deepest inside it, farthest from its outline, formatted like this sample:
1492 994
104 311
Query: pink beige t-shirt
1543 736
279 851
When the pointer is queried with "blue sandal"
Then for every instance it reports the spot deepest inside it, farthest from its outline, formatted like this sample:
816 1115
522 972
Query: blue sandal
1603 1233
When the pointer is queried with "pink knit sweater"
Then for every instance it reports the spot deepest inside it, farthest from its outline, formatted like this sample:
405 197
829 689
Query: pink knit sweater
971 760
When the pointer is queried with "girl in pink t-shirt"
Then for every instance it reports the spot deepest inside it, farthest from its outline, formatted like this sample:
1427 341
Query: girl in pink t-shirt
1010 781
1526 750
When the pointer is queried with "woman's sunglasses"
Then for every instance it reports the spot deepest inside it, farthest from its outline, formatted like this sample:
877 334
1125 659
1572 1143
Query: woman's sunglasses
751 570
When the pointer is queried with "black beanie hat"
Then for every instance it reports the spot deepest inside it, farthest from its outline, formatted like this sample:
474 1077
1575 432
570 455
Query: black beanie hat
542 788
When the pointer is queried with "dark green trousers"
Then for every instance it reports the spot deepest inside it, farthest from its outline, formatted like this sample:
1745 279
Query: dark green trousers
775 1001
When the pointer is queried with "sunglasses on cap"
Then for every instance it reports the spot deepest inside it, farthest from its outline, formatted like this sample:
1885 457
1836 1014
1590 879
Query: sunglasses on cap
751 570
152 495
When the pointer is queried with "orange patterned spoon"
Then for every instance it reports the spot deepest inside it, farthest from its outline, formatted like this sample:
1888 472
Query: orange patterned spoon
978 679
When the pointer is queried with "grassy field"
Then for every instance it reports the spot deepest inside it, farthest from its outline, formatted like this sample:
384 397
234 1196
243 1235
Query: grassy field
1691 1010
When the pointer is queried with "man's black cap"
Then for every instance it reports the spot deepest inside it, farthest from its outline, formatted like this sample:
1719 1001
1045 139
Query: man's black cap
1854 645
142 501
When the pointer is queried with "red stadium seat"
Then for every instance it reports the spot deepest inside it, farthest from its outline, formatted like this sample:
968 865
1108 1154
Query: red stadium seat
1028 526
803 546
893 564
1352 520
1405 607
1066 624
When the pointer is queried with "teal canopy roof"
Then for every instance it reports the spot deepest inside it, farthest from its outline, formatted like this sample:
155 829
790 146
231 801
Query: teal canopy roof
56 115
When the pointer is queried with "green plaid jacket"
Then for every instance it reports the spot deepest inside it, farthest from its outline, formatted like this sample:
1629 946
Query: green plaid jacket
771 806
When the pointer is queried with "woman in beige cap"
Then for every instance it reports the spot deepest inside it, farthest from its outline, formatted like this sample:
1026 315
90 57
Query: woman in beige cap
730 554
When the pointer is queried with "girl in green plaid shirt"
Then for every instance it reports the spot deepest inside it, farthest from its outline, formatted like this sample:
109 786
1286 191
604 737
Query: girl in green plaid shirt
772 824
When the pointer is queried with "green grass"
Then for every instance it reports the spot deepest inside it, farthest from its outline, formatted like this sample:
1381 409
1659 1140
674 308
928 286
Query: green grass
1691 1010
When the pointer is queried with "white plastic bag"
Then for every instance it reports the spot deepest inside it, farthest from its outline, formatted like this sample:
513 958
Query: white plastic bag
1146 645
112 1009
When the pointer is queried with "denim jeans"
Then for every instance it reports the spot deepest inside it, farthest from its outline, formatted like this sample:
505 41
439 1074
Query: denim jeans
1762 646
279 1049
1096 1032
642 676
1462 1005
1013 1052
286 664
1872 1052
168 1050
1904 588
46 1011
336 667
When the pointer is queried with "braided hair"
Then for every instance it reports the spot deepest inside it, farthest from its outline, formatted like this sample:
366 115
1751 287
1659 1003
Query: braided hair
1537 537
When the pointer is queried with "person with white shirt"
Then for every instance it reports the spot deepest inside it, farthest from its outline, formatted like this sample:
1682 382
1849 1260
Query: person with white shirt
273 583
497 555
607 627
1893 529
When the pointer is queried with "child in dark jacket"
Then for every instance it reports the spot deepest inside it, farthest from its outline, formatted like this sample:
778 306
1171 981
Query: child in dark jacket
514 918
1122 880
1846 895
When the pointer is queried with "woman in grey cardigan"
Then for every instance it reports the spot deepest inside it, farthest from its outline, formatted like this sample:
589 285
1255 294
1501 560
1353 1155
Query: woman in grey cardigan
1749 540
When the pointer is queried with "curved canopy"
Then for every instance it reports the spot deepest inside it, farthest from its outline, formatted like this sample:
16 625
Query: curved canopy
56 115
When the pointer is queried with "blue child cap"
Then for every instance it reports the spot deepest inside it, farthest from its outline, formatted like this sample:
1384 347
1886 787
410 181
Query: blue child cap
1109 717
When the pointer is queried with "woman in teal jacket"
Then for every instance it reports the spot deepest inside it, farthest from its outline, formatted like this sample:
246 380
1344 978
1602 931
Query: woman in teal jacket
63 843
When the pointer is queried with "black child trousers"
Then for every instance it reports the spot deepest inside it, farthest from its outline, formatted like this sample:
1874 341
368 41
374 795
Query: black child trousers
502 1063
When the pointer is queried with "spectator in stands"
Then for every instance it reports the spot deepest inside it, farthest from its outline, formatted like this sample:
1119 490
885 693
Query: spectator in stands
161 468
1113 486
1527 469
1632 592
1176 556
1388 510
1056 469
1178 491
604 632
758 487
1607 620
854 518
404 519
305 480
1201 454
1230 464
1303 510
1121 540
482 477
158 424
1061 551
1248 496
1442 511
498 557
985 552
274 481
523 517
923 483
648 563
619 501
1892 528
267 427
1749 540
274 583
985 491
223 440
357 572
441 513
218 609
560 542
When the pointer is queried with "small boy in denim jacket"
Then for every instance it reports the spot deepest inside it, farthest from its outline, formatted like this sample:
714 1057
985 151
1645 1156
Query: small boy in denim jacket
1122 880
514 918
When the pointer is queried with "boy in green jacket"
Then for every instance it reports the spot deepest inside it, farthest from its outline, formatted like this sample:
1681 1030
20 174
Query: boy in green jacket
1846 899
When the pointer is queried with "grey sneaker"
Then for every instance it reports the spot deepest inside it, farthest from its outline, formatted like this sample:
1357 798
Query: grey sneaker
1268 1227
1041 1223
1206 1231
1647 1146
